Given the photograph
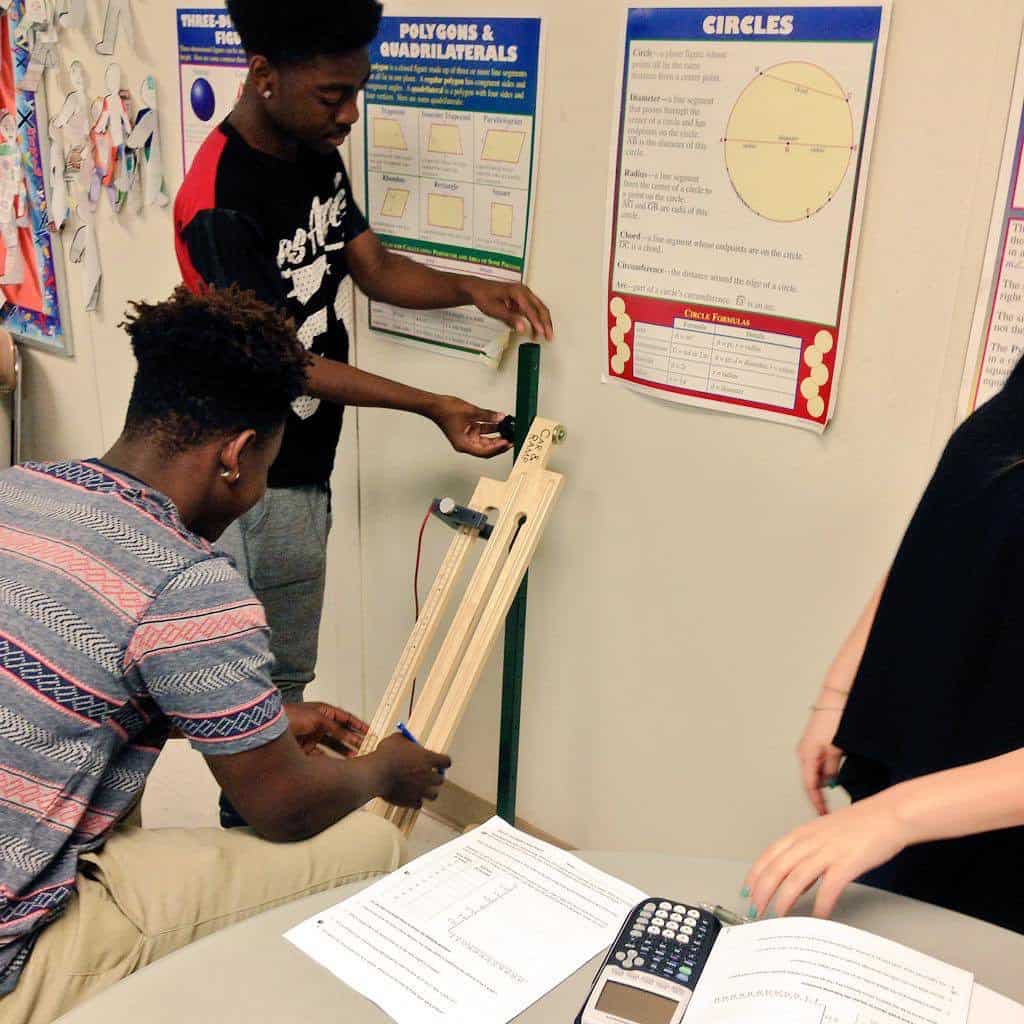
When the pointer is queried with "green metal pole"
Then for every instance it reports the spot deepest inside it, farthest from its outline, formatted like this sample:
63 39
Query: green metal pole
527 387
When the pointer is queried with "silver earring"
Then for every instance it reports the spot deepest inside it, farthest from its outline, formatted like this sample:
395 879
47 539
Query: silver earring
225 474
267 94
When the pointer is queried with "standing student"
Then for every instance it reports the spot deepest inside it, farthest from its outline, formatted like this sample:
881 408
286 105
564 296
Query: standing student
267 204
921 716
120 621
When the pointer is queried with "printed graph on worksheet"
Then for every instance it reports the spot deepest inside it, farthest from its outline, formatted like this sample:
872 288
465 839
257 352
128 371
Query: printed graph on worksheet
439 892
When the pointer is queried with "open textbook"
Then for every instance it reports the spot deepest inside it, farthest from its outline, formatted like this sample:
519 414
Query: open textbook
805 971
479 929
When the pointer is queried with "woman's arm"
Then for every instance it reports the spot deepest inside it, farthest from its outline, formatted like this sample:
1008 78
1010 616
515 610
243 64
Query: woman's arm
818 756
839 848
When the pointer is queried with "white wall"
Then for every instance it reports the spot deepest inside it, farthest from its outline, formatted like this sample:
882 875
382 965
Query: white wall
700 568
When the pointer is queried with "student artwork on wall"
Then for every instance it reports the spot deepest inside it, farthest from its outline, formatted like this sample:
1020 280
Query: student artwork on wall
31 280
145 141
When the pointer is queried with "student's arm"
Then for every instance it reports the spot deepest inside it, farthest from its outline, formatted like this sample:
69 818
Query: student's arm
201 654
391 277
819 757
839 848
223 246
467 426
287 795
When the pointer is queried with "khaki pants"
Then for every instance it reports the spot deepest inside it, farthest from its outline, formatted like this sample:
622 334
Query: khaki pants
148 892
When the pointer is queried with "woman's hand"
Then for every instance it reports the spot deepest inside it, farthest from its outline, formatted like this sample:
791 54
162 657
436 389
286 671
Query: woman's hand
819 757
836 850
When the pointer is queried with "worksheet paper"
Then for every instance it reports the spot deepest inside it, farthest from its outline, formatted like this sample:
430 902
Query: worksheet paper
805 971
740 156
997 331
475 931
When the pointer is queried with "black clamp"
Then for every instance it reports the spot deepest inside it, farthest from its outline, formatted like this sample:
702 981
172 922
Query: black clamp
507 429
457 516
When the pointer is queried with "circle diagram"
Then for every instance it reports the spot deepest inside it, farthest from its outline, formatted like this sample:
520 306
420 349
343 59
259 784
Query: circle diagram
789 141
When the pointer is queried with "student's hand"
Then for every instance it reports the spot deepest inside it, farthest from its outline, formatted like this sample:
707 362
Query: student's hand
467 427
819 757
511 303
313 723
836 850
415 773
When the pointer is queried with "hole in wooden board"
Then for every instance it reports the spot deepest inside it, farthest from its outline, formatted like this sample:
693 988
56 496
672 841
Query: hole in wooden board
519 525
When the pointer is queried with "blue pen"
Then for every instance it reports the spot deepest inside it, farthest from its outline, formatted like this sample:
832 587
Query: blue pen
409 736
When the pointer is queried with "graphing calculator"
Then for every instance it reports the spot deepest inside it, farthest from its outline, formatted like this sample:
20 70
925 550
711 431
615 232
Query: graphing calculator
653 965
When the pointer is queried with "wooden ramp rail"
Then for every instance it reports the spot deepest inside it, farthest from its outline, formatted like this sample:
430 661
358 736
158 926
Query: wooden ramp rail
519 509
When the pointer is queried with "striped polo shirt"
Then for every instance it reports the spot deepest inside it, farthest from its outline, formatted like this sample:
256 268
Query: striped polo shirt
116 622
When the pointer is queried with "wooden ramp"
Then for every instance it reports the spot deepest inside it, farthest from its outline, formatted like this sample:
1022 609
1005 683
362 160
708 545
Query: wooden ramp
519 508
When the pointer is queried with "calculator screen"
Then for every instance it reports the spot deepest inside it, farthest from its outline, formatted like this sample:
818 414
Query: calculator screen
635 1004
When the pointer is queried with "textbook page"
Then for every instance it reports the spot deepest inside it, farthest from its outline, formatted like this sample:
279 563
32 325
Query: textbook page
476 930
806 971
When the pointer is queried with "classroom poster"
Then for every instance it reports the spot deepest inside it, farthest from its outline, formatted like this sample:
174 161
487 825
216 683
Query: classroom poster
211 72
997 331
740 156
33 292
451 126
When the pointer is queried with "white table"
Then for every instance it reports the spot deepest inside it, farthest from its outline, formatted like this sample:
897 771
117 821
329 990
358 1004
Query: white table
250 973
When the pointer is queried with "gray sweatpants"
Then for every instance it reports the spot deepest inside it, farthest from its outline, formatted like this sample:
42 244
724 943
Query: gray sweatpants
281 546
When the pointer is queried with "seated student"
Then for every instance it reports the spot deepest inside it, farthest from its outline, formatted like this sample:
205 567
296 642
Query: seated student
120 621
924 699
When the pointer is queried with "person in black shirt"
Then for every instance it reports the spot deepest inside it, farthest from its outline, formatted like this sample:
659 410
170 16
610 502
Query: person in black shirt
267 205
921 716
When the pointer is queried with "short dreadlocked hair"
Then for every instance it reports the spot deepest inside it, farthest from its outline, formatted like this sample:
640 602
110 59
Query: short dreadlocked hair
301 30
211 365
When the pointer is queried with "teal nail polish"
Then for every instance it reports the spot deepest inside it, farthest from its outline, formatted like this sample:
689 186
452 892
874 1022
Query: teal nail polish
831 783
752 913
745 892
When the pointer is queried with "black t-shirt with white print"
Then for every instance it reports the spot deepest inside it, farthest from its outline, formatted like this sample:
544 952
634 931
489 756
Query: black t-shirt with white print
280 228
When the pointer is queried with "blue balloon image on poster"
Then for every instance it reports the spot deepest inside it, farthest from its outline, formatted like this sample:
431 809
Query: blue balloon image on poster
202 99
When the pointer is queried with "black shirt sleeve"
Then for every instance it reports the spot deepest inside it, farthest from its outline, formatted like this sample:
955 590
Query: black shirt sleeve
354 223
226 248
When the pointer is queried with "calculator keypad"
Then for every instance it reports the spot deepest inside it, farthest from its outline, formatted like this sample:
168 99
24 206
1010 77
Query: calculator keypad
669 940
